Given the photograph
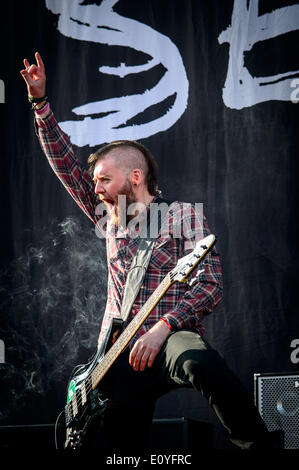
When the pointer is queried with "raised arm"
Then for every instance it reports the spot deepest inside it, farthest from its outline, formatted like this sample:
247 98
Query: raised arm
55 144
35 78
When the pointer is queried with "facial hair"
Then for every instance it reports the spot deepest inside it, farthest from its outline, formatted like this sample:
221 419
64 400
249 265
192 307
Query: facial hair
114 211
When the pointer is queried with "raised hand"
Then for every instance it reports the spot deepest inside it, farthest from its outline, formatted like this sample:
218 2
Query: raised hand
35 77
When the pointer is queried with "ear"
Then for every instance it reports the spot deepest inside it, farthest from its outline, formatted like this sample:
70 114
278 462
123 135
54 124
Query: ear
136 176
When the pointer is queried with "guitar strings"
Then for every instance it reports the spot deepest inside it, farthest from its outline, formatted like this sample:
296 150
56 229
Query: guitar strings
77 398
79 393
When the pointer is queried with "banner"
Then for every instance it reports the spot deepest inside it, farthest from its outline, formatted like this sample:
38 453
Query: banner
212 89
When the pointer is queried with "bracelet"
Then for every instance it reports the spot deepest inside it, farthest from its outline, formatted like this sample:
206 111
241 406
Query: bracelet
32 99
43 109
167 323
35 105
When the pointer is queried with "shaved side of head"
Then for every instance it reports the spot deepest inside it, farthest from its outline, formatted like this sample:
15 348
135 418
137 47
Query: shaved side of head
128 159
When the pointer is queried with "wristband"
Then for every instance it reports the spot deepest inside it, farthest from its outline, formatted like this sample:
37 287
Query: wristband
167 323
32 99
43 109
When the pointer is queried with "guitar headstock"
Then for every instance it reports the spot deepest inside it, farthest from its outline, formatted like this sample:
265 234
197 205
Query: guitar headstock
188 263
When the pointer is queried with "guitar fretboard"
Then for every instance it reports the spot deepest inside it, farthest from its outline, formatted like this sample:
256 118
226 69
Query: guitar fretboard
126 336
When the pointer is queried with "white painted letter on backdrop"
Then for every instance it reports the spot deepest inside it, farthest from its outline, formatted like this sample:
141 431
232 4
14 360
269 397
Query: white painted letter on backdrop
100 24
247 28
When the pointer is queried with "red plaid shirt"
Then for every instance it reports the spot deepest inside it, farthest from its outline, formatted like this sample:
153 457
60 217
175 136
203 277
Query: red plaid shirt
181 306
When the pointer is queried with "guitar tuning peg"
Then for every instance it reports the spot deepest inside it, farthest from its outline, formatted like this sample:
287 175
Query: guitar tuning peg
195 278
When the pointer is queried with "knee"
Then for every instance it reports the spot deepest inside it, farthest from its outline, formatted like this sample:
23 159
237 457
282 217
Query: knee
201 364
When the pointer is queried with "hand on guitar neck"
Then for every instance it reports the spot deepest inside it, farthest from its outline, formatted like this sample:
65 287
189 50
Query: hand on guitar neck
148 346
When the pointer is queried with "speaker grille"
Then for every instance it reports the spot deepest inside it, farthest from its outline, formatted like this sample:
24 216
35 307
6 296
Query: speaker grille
277 399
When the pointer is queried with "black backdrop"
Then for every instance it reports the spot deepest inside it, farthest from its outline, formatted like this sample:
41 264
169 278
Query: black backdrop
241 163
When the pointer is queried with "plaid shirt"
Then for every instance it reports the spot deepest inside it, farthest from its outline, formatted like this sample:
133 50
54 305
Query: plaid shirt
181 306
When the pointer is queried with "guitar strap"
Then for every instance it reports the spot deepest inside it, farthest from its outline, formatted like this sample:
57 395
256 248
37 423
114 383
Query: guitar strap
140 263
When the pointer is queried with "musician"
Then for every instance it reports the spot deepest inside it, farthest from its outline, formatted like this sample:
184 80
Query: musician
169 350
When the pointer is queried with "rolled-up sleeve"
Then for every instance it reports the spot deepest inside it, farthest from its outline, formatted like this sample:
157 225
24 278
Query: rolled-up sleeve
206 291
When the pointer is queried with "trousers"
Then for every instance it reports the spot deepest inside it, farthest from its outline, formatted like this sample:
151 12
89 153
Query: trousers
185 360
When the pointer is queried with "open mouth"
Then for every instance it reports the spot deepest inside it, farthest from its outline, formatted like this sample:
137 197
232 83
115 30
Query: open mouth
108 202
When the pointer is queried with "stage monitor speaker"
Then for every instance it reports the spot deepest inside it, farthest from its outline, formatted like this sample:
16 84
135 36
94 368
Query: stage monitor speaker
180 433
277 399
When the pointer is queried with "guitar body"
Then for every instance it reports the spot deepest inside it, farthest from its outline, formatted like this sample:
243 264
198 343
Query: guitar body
86 403
85 407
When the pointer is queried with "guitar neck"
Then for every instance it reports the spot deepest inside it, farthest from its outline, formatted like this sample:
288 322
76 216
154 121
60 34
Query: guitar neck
126 336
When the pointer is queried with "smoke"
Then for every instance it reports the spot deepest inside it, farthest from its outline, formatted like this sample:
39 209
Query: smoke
52 299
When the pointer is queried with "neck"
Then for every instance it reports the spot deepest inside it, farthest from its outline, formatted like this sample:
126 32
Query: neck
143 196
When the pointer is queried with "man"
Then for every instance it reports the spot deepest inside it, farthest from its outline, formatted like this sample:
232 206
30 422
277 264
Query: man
168 350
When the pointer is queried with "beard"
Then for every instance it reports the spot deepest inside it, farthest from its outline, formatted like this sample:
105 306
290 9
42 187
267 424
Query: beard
117 207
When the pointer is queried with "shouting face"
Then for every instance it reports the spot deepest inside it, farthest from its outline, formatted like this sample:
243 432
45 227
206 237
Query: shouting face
112 181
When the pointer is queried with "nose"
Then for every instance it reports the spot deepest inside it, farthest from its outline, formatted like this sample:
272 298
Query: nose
99 188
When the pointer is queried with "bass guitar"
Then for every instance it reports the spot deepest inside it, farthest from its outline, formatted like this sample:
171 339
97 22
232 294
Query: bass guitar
85 403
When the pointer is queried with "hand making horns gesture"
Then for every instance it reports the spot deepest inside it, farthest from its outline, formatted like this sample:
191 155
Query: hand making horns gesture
35 77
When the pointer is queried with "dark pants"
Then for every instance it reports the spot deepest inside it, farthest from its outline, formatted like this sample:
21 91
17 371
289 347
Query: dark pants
185 360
